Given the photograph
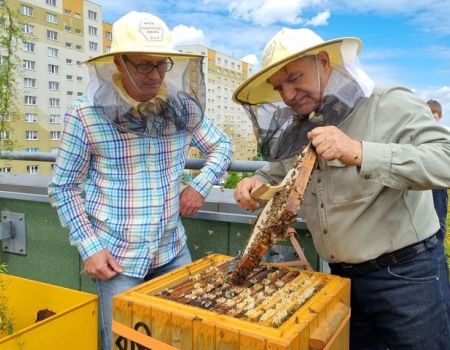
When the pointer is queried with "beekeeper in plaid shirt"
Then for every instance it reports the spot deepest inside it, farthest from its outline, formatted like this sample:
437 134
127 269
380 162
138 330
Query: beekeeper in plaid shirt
126 142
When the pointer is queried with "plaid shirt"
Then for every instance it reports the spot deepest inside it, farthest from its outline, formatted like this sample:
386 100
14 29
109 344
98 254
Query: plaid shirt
132 187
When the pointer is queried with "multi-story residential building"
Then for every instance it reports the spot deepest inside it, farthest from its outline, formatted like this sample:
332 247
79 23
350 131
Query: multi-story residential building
223 74
61 34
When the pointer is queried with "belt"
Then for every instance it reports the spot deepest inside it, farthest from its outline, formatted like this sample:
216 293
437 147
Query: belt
385 260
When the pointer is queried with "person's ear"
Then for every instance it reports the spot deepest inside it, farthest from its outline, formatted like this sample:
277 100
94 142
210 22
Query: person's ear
324 60
118 61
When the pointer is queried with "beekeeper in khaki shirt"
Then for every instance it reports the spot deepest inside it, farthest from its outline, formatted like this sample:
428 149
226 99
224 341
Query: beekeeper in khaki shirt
368 206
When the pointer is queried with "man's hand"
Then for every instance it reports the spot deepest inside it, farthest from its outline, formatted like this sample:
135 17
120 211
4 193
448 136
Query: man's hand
331 143
102 265
243 190
190 201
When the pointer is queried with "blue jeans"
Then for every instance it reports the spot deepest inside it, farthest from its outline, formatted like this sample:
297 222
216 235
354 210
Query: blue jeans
119 283
403 306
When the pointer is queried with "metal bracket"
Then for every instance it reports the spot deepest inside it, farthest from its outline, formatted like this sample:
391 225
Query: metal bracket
12 232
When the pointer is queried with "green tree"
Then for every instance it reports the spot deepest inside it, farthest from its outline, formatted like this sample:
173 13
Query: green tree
234 177
11 42
6 321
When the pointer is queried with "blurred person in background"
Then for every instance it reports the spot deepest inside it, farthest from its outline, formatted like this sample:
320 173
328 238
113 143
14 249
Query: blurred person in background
440 196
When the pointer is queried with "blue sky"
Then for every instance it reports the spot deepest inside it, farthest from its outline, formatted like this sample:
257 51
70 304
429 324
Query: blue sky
405 42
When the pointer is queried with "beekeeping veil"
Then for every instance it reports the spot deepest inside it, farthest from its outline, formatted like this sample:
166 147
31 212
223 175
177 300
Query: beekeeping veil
179 103
281 132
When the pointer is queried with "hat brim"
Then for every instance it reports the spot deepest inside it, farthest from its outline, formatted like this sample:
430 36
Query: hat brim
256 89
175 55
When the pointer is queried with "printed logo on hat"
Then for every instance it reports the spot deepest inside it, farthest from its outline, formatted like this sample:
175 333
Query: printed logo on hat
151 30
268 53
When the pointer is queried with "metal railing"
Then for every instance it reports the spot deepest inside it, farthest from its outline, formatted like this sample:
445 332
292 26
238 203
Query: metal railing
194 164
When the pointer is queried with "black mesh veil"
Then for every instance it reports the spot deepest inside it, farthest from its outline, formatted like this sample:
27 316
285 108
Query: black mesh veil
178 106
282 133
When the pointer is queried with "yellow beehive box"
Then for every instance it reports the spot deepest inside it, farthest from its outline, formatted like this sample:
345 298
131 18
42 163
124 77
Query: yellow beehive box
141 315
73 326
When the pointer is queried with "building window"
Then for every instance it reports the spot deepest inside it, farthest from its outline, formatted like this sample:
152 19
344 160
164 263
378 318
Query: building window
51 2
31 135
52 35
29 47
108 35
92 30
29 82
69 93
52 167
53 85
30 100
67 12
29 65
107 49
6 169
67 28
92 15
5 135
78 31
78 63
79 93
68 60
78 47
69 77
93 46
53 69
52 52
55 119
52 18
26 10
77 15
32 149
68 45
33 169
28 29
31 117
80 79
55 135
54 102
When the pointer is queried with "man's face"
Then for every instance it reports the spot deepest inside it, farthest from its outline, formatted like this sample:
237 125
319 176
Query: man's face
437 116
141 77
298 83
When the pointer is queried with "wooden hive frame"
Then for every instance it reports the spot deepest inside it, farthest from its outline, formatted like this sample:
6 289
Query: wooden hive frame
321 323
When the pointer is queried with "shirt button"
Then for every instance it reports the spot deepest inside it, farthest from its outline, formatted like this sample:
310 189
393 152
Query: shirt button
325 231
322 205
367 177
319 180
332 257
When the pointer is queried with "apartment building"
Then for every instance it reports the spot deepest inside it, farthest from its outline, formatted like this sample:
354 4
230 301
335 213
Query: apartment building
223 74
61 34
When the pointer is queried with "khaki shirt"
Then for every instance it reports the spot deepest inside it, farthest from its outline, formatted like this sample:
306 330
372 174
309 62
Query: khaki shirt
357 214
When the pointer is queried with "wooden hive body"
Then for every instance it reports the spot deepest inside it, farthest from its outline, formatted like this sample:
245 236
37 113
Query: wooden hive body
322 322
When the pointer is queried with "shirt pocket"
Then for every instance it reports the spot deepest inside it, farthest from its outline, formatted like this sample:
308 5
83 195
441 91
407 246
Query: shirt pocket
346 184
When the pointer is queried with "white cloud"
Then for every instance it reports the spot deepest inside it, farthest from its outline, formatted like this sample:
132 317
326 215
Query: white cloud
428 16
265 12
188 35
251 58
320 19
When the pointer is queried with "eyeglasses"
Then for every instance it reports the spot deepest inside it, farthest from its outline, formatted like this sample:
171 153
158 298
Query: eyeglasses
146 68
